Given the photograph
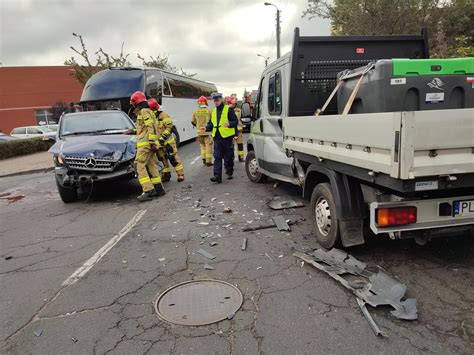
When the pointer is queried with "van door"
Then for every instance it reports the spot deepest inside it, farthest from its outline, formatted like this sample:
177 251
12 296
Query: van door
257 126
275 158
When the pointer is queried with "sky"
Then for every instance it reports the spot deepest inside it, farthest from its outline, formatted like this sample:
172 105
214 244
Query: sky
217 39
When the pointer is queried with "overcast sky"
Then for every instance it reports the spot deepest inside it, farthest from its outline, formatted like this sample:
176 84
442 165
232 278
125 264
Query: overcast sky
217 39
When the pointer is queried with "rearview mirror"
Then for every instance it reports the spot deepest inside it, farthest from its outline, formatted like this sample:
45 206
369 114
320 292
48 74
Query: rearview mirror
245 110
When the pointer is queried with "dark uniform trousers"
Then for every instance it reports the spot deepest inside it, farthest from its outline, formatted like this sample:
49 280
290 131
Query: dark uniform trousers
224 149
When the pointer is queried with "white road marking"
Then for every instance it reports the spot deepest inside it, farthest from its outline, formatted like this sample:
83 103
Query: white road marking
84 269
195 159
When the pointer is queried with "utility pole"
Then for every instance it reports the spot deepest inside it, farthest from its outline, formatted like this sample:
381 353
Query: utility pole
278 30
266 58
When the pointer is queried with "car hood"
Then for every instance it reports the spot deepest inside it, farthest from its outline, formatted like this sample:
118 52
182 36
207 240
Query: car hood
117 146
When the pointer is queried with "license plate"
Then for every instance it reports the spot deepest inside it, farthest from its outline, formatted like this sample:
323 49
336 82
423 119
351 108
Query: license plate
464 208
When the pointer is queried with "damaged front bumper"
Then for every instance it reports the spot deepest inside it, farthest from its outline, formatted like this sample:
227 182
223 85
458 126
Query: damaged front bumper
73 178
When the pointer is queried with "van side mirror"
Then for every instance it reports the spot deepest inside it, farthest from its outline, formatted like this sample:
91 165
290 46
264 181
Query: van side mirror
245 110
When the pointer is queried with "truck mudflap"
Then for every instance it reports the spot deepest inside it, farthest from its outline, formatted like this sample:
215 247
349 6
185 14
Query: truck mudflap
445 213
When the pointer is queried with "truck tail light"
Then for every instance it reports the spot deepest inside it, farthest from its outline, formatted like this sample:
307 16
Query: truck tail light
396 216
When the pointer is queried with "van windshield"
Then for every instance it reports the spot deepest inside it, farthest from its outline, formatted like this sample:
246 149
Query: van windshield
112 84
99 122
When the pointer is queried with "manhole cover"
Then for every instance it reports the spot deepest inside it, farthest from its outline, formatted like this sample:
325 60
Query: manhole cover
198 302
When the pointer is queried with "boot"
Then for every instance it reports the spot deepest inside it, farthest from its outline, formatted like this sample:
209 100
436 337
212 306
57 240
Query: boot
241 159
146 196
217 179
230 176
165 177
204 161
209 164
180 178
159 190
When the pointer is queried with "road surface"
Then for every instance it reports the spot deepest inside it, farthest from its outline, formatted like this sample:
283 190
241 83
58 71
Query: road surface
82 278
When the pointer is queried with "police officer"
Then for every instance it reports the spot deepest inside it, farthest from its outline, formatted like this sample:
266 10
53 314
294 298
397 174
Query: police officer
167 149
201 116
232 102
145 159
222 125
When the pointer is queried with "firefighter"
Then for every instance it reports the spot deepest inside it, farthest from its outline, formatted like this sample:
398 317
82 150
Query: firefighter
146 163
167 149
201 116
231 101
222 125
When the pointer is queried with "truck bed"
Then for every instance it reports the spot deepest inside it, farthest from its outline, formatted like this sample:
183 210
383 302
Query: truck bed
402 145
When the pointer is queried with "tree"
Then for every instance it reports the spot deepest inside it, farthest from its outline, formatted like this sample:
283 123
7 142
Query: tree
104 60
445 20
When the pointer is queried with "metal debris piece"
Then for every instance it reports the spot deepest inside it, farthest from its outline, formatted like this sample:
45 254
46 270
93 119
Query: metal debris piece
230 316
281 223
270 225
227 210
282 202
369 318
208 267
74 340
38 332
203 223
214 198
213 244
375 289
161 259
259 267
206 254
244 244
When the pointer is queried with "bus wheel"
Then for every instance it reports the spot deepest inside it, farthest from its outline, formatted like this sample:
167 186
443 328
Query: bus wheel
325 219
176 136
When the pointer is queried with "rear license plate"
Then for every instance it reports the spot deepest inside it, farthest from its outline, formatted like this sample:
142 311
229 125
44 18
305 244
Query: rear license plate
464 208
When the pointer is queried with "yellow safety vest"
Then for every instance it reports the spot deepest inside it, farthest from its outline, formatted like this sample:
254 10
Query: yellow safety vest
224 131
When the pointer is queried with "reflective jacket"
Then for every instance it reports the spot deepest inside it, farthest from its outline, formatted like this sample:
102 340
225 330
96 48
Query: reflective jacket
238 113
224 132
164 127
145 126
201 117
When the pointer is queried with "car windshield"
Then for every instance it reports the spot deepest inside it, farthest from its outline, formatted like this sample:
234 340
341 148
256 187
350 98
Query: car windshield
45 129
95 123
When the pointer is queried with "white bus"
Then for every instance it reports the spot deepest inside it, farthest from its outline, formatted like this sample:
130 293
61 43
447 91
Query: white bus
111 89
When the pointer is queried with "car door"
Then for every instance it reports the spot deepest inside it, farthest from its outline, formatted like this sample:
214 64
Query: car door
33 132
257 131
275 157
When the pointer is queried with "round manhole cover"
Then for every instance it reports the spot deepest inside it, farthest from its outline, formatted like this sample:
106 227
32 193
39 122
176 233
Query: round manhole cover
198 302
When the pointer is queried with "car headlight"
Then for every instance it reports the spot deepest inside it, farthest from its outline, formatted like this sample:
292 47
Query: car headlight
59 160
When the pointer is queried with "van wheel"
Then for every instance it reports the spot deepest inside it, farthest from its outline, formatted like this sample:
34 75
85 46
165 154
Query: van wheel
174 130
251 168
68 195
325 219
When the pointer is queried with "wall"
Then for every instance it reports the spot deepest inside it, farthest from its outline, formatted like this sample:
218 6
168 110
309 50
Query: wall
25 89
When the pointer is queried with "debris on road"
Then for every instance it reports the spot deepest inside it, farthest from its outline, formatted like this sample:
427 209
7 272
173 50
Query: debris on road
208 267
375 289
270 225
12 199
282 202
38 332
369 318
227 210
281 223
213 244
74 340
259 267
8 257
206 254
203 223
161 259
244 244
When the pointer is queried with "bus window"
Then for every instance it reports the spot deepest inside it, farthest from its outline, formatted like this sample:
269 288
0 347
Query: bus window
166 87
185 87
154 81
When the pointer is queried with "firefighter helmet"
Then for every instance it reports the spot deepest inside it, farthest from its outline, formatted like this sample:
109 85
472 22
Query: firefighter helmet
202 100
153 104
136 98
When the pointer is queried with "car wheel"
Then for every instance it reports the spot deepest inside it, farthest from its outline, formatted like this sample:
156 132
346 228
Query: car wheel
176 136
325 219
251 168
67 194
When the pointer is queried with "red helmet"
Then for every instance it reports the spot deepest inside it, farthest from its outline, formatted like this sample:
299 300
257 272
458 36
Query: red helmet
153 104
136 98
202 100
230 100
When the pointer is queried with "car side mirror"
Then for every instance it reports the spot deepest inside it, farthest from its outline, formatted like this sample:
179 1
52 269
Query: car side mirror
245 110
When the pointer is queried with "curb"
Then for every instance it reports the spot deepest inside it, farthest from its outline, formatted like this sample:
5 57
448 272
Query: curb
26 172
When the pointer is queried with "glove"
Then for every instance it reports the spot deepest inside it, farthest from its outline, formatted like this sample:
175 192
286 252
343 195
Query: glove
161 141
153 147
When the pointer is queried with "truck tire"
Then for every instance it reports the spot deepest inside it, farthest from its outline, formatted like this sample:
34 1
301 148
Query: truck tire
325 220
67 194
251 166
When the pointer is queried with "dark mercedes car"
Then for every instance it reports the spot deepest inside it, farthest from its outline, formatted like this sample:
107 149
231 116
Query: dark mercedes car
91 147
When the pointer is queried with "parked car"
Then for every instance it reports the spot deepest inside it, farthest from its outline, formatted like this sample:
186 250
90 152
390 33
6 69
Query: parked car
5 137
92 146
32 131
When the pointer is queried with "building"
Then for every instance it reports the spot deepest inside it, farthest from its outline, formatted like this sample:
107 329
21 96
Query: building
27 94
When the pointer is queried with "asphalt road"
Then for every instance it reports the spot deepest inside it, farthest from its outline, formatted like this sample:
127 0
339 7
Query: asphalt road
62 292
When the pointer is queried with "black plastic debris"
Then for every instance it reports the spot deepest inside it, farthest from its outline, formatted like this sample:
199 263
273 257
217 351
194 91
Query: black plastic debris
8 257
374 288
283 202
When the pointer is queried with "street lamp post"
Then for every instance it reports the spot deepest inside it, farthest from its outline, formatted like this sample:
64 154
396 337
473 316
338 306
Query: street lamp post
266 58
277 26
